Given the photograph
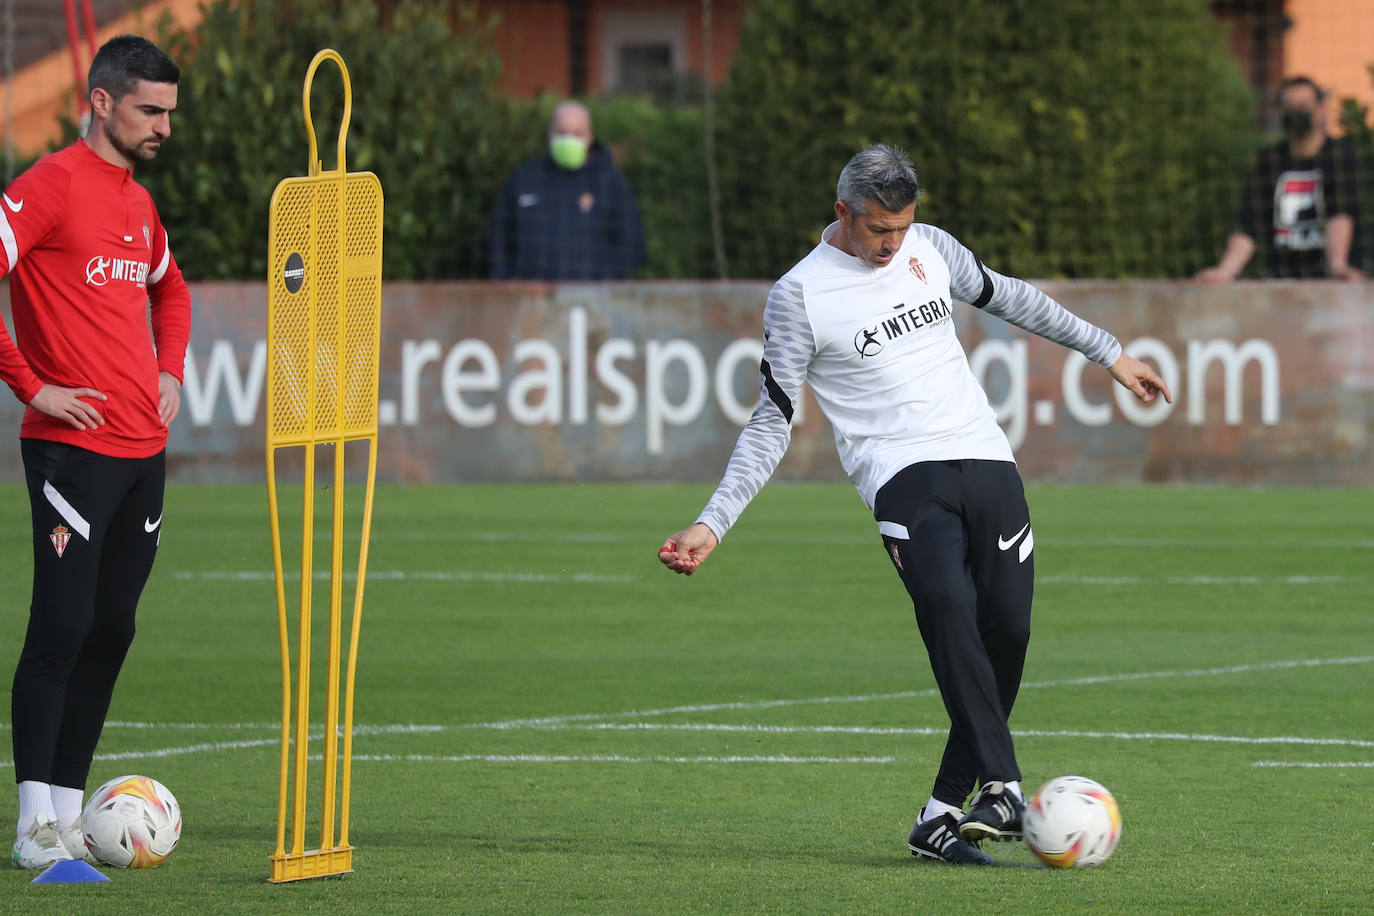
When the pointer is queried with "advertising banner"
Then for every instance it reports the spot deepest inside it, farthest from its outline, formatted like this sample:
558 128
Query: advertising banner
1273 383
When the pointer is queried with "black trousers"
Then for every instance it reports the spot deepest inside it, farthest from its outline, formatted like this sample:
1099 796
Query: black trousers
96 525
958 533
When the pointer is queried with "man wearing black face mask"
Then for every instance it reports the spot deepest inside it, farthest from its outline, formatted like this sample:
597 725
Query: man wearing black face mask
1301 202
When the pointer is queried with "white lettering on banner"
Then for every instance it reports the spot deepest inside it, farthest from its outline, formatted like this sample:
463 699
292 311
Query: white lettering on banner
621 412
454 381
549 409
577 367
1233 360
200 393
1078 406
749 351
415 354
657 408
551 379
1011 410
1132 408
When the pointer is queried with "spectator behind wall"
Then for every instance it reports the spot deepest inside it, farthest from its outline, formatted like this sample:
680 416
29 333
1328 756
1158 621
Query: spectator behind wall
1301 202
568 214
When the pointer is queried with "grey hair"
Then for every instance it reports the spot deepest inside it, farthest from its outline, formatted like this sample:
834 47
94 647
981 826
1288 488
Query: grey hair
880 174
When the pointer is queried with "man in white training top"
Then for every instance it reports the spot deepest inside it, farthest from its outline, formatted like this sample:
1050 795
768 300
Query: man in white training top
865 318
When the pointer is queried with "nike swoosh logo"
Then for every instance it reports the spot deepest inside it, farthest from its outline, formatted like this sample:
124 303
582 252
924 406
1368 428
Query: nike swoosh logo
1005 545
14 207
150 525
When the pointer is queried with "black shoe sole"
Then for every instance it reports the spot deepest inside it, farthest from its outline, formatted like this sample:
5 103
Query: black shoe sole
977 833
916 851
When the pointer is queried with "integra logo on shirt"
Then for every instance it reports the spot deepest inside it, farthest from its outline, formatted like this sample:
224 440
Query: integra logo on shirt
867 341
101 270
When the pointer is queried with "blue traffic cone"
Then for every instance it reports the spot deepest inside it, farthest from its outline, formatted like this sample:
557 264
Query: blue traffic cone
69 871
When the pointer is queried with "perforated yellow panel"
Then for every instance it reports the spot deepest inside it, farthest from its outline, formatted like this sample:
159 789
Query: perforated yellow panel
324 308
324 296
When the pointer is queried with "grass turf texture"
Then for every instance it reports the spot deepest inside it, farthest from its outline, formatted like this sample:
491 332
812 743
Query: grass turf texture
1180 608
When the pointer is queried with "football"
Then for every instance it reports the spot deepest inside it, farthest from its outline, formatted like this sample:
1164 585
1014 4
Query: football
131 822
1072 822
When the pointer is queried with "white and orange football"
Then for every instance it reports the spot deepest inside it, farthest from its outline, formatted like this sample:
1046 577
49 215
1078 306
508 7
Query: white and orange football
1072 822
131 822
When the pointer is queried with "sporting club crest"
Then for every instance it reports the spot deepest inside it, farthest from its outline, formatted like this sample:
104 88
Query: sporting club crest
60 537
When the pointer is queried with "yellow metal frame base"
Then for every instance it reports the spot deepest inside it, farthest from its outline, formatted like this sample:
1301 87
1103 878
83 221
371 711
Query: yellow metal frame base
317 863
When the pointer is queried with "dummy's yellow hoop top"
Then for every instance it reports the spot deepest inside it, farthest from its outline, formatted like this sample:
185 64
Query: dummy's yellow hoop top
315 165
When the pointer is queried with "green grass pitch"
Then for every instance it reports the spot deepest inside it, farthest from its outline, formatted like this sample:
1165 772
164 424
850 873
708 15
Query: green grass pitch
550 722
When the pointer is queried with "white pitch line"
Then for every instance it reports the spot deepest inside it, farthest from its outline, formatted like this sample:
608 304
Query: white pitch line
897 730
1205 672
1336 544
928 692
400 575
500 537
316 735
759 728
722 727
1197 580
1184 736
605 758
158 753
553 721
217 746
397 575
358 728
1362 764
218 726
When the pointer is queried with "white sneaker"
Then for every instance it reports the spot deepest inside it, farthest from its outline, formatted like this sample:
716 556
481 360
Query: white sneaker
75 842
40 847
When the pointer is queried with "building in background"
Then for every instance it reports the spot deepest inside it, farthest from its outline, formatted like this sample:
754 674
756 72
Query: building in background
582 47
1332 41
39 82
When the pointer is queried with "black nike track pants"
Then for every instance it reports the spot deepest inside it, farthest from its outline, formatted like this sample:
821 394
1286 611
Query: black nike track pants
959 534
97 521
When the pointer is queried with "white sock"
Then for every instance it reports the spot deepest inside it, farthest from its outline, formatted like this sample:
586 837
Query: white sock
936 808
66 803
35 803
1015 789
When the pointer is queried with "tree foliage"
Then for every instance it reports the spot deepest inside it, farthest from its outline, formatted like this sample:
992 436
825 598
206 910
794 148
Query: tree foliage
1056 138
425 118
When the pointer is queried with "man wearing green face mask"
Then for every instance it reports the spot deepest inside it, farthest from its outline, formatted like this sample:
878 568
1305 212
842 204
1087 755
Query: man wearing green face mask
567 215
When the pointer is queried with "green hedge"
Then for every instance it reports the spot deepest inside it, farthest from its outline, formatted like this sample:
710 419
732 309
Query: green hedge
425 118
1354 119
1057 138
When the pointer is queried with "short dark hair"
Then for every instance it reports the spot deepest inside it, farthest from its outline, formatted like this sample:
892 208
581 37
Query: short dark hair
124 60
1301 81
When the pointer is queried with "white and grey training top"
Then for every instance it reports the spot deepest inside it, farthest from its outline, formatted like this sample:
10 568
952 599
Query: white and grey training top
878 347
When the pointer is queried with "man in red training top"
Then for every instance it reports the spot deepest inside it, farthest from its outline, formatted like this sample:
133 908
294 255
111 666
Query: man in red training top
89 263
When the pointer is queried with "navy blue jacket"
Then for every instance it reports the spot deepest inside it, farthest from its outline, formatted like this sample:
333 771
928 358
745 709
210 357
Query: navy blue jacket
553 224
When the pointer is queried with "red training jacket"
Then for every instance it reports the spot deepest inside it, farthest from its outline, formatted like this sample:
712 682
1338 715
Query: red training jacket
89 262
